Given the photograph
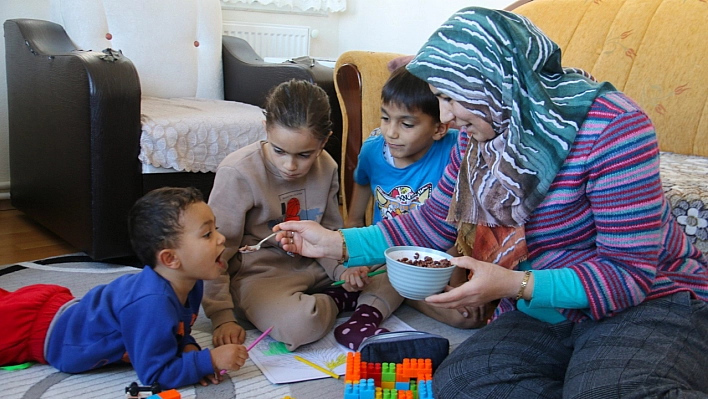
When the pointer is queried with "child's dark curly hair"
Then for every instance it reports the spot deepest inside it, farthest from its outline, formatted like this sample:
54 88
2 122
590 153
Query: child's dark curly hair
154 220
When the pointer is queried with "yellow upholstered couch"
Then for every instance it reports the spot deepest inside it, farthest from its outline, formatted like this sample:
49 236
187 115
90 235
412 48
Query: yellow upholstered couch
653 50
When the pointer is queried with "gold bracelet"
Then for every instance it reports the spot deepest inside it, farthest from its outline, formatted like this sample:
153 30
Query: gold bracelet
524 282
344 248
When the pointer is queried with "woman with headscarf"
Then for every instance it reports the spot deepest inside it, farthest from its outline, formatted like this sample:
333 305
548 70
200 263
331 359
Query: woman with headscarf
553 192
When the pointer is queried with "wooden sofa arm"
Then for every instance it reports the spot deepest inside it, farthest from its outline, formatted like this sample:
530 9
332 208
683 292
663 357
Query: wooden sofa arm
359 78
74 119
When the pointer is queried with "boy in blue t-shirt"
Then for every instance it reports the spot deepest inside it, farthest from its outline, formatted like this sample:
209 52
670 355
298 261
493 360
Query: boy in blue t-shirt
143 318
400 164
403 160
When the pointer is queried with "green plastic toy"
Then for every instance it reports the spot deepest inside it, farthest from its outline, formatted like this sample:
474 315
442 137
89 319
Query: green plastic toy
16 366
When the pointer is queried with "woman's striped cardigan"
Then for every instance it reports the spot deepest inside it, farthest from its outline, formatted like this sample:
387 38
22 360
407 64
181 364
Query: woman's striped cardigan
605 216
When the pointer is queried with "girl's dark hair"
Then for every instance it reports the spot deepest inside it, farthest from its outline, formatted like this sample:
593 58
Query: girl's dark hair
154 220
298 104
405 90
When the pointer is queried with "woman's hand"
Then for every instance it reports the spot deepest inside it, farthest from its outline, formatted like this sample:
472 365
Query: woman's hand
355 278
488 283
310 239
477 314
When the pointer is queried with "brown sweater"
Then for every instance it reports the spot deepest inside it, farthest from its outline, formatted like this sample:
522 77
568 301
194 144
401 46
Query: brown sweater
248 199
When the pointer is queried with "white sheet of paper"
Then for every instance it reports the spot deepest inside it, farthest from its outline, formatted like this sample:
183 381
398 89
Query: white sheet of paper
280 366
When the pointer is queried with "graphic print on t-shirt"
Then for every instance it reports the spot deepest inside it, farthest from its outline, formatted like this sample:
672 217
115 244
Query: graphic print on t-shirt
292 210
401 199
293 206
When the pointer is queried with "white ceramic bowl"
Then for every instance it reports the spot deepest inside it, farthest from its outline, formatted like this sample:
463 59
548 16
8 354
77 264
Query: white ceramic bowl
416 282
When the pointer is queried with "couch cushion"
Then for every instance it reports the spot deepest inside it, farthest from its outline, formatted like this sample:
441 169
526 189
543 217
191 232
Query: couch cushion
684 180
194 135
653 50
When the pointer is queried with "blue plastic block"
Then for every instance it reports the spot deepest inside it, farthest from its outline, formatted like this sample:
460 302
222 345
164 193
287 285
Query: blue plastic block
351 391
425 390
403 386
367 389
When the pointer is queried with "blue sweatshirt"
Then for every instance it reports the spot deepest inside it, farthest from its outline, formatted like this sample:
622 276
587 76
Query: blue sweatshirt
136 318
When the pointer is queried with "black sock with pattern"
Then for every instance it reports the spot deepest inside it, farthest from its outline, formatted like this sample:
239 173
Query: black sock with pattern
363 323
344 299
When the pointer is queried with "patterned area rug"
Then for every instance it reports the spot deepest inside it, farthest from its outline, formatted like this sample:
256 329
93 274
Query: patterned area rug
80 274
684 180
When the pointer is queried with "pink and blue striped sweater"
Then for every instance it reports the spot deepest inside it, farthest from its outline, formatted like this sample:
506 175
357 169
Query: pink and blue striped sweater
605 217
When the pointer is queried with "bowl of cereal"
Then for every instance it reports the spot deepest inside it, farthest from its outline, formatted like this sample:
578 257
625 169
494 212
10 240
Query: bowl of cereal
417 272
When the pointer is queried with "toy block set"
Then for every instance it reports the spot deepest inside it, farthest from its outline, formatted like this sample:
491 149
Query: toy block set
411 379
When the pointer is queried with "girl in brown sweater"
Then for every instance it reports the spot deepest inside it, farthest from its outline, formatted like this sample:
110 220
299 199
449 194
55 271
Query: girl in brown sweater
289 176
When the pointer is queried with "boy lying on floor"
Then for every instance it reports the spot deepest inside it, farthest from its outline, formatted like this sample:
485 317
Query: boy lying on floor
144 318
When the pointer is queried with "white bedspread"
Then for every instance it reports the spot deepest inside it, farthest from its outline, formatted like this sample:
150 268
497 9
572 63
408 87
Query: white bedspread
194 134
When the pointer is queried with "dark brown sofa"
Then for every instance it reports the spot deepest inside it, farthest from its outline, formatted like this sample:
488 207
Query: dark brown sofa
74 122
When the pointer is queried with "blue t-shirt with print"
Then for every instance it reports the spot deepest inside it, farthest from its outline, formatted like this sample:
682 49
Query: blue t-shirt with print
398 190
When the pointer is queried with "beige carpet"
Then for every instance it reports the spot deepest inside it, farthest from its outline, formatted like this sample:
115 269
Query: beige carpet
80 275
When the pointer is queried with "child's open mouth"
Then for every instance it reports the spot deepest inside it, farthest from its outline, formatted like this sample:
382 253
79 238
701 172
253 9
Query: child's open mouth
219 261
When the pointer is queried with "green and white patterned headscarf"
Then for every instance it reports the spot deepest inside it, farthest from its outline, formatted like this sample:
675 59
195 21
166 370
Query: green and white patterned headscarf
503 68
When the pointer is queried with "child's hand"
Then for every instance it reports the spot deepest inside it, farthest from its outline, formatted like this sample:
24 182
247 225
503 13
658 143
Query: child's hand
215 378
355 278
227 357
228 333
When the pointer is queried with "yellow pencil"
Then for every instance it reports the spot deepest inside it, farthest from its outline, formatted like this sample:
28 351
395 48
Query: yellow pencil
322 369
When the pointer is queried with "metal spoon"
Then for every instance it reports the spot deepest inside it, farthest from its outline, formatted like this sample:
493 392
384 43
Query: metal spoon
253 248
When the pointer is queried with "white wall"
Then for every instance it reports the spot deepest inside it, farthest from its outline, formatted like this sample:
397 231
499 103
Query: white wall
399 26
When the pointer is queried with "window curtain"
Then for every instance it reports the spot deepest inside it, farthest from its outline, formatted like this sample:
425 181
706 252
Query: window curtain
304 5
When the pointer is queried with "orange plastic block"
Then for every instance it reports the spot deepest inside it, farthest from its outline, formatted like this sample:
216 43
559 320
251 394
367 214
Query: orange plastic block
171 394
353 370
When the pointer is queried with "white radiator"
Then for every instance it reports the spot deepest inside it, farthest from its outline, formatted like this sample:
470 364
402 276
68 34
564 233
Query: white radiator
273 41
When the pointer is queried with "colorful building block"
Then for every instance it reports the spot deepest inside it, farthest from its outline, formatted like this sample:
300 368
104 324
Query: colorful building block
367 389
403 386
351 390
410 379
388 372
353 369
425 389
171 394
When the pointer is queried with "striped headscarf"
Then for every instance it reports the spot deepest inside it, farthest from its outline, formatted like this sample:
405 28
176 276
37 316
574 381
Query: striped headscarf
504 69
